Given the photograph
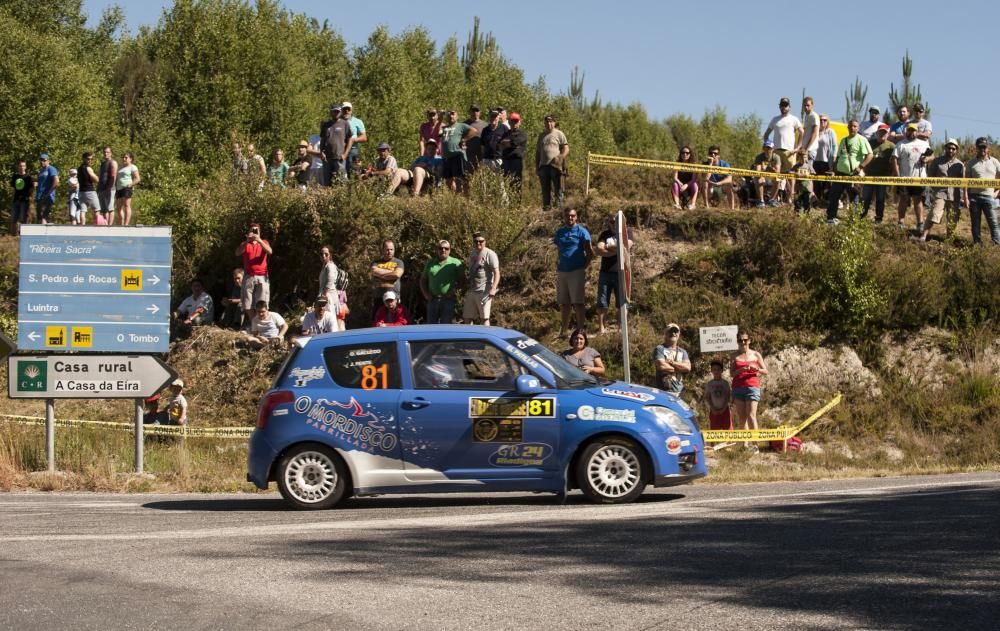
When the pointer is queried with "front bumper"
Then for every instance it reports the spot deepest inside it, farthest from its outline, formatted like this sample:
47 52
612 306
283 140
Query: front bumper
676 479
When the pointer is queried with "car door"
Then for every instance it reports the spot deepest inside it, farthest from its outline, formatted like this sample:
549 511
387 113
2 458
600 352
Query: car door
461 416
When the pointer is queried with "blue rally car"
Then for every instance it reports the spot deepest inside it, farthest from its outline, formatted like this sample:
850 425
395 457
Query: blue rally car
448 408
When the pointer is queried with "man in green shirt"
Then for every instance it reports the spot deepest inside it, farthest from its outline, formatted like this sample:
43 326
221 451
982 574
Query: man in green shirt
438 283
880 166
853 156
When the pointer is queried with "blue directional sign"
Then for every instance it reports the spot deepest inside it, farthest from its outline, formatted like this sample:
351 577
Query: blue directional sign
94 288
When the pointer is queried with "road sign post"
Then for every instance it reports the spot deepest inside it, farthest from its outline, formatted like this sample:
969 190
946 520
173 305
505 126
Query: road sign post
624 294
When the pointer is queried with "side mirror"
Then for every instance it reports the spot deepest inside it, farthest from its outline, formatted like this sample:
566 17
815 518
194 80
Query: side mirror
528 385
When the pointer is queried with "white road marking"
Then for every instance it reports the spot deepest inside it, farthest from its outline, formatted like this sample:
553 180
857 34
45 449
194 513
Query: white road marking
556 514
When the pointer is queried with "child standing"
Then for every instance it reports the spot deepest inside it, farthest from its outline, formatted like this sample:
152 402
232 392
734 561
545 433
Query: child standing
77 213
718 394
177 405
803 187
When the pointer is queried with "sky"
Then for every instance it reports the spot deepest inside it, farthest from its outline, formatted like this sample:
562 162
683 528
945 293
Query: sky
684 58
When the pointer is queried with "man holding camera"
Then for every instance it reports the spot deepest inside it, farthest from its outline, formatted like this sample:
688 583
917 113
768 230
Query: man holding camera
256 286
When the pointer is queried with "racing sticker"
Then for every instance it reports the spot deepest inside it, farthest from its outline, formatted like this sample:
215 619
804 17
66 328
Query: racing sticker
521 455
498 430
628 394
348 422
589 413
512 407
305 375
674 445
524 357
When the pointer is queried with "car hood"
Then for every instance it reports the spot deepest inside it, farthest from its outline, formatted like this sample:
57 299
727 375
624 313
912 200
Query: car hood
641 395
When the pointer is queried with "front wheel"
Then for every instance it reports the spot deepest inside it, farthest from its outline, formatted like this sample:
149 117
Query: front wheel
611 471
311 477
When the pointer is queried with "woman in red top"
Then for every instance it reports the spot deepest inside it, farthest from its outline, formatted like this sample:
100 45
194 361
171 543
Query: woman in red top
746 368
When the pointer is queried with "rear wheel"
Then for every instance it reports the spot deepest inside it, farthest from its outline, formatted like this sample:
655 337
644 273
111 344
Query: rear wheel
612 471
311 477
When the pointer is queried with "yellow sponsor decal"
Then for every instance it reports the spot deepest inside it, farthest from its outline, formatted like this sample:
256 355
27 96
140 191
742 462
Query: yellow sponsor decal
496 407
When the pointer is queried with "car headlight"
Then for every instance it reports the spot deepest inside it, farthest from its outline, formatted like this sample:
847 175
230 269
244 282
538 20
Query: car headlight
669 419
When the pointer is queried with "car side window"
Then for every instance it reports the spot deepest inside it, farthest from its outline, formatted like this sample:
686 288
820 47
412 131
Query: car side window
364 366
462 365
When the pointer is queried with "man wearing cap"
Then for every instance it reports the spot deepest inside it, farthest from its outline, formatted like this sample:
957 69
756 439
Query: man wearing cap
767 161
853 155
880 166
870 126
300 167
911 157
431 130
439 282
512 147
784 125
982 201
924 127
455 135
473 146
390 312
47 182
358 136
718 184
21 184
320 319
385 166
551 153
336 140
671 361
945 200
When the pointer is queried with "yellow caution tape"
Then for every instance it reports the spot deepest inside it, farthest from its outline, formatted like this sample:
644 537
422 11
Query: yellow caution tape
160 430
783 432
596 158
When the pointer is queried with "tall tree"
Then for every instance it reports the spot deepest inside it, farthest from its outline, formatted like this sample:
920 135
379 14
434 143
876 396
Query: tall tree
855 99
909 94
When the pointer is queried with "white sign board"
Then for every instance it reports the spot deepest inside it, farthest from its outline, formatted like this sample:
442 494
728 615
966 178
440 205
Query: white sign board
718 338
86 376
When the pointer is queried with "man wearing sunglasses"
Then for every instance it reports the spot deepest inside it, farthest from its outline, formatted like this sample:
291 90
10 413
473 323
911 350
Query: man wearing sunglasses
438 284
945 200
483 267
672 361
982 201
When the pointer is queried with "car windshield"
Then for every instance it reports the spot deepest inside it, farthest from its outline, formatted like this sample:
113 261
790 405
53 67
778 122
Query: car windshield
567 375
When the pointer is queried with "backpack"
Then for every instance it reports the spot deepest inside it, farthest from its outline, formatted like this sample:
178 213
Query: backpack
342 279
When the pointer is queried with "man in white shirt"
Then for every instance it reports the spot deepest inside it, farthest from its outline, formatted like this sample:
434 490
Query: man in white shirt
870 126
197 309
266 327
784 127
319 320
910 160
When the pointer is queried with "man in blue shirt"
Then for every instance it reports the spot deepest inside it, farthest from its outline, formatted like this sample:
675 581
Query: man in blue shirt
719 183
575 254
360 136
45 189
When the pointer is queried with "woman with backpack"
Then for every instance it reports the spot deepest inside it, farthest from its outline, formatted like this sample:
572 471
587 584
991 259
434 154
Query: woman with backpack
332 283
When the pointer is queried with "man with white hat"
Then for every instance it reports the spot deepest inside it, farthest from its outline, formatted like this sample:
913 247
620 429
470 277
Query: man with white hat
358 135
945 200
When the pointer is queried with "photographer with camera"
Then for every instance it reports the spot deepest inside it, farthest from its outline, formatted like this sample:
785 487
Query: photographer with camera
256 286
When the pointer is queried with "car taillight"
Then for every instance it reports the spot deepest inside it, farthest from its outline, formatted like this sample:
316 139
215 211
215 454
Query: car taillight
271 401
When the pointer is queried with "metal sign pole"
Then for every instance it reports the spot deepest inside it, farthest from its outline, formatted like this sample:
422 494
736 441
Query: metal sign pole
138 435
624 289
50 434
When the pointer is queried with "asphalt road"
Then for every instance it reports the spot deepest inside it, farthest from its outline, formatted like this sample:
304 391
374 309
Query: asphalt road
889 553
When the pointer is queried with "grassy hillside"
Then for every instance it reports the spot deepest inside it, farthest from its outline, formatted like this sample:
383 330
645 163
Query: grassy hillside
906 330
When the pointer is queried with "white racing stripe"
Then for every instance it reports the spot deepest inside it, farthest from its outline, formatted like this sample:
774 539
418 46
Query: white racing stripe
555 514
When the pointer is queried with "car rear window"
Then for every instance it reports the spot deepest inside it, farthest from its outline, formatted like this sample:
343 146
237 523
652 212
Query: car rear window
364 366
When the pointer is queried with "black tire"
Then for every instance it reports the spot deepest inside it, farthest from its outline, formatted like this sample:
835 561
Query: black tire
612 471
311 477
